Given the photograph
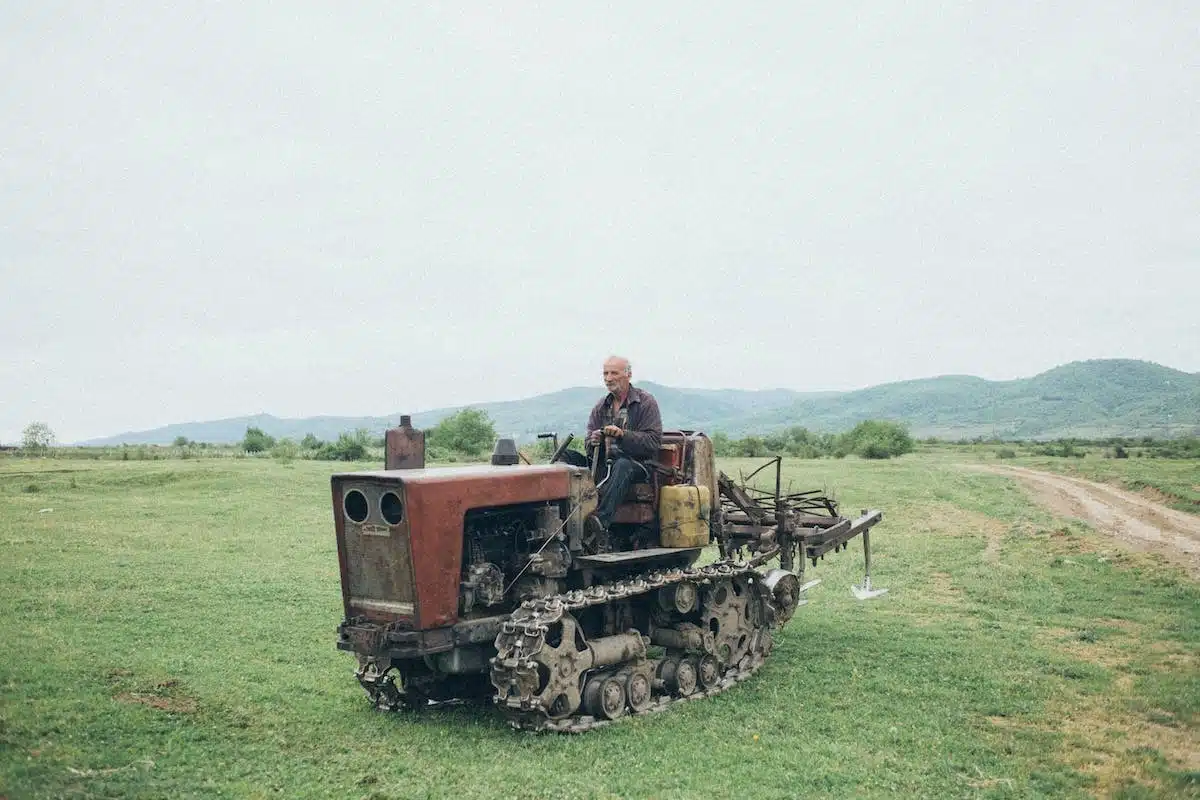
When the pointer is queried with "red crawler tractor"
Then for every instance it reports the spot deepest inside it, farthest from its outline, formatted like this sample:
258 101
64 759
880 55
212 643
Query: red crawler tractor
479 581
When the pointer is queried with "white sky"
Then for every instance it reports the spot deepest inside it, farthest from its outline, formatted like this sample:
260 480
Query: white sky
212 210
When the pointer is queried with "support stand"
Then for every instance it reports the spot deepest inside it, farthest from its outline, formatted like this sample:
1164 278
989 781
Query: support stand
865 592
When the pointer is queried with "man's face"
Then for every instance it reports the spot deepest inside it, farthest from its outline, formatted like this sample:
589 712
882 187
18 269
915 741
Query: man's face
616 380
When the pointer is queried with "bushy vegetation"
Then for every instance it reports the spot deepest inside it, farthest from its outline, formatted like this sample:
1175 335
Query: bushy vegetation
1141 447
37 437
470 432
255 441
876 438
285 450
350 446
868 439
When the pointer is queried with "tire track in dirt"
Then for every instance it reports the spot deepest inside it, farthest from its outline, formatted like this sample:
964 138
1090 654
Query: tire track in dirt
1129 518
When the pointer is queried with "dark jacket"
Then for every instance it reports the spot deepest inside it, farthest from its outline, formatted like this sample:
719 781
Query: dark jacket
639 418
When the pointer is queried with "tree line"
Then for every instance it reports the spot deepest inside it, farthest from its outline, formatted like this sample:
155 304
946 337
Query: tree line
873 438
470 434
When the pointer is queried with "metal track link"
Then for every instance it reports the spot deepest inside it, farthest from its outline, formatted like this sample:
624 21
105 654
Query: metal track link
515 671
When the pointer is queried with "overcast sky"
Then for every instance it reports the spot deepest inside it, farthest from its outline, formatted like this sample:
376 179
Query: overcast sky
209 210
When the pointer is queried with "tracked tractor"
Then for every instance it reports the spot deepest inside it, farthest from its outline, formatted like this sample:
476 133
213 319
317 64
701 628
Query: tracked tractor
481 583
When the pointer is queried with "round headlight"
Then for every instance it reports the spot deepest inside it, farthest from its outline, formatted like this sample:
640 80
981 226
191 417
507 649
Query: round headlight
391 508
355 503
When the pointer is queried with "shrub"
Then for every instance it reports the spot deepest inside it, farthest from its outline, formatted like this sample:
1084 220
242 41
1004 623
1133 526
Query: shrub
1063 448
285 450
256 441
804 450
1187 447
873 448
468 432
348 447
1006 452
775 442
751 447
876 438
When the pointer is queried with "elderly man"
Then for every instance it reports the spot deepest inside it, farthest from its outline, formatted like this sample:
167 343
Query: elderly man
628 421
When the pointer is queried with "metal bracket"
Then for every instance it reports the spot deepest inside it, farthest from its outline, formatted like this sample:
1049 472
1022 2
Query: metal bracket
803 592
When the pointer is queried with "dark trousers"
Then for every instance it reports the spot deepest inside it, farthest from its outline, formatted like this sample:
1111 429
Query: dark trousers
623 473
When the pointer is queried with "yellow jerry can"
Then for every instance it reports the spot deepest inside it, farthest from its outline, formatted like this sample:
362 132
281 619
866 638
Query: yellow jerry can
683 513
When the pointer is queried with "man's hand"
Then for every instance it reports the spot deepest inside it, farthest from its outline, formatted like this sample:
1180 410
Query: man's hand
614 431
595 436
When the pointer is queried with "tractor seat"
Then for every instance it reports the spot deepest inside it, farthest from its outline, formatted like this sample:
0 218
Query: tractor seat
641 503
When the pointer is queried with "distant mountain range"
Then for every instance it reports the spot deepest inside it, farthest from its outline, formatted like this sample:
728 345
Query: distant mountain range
1111 397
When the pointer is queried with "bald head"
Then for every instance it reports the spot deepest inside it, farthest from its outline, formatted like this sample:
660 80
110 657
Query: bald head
617 373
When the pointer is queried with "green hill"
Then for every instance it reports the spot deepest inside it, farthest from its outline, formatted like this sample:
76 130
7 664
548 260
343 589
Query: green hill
1112 397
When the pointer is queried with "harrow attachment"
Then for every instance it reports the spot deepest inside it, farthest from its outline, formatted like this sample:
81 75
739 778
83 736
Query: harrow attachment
799 527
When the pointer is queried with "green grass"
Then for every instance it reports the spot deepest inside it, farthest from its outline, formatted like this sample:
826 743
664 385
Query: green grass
169 626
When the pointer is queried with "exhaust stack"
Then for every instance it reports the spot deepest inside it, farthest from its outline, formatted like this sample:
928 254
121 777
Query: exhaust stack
404 447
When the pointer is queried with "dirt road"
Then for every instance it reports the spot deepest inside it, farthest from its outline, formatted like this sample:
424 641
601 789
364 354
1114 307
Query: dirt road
1130 518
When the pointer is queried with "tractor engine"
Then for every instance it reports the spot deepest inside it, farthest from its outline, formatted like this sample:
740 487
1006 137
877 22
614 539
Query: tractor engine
515 549
434 560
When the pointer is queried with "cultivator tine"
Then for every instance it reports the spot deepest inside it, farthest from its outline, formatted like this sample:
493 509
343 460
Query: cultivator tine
802 592
865 592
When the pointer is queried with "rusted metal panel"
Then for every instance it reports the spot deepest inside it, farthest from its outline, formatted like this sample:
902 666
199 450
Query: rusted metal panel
374 552
636 556
387 569
404 446
437 503
339 530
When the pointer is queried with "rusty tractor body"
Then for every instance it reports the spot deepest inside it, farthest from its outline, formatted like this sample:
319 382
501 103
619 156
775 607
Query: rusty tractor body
480 582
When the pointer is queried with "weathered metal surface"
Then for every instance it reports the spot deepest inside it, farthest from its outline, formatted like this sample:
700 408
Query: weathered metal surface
636 556
404 446
436 502
373 555
539 663
437 505
801 526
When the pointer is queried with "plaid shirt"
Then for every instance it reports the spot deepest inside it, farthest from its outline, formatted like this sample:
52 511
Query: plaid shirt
639 417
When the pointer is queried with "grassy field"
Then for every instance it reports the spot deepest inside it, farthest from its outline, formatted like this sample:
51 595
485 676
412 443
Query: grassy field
169 626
